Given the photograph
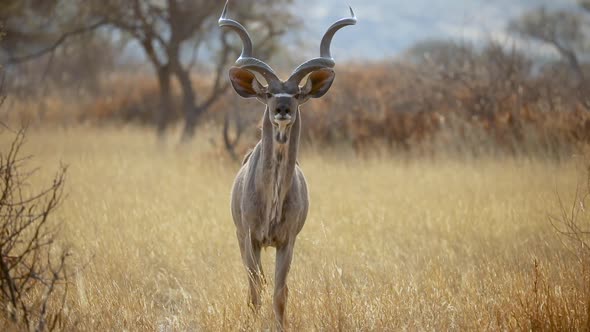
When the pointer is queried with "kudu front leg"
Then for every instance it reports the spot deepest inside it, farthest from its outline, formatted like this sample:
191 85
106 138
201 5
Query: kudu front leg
251 256
283 264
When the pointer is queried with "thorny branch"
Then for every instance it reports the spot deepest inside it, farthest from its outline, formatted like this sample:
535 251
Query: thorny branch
574 222
33 276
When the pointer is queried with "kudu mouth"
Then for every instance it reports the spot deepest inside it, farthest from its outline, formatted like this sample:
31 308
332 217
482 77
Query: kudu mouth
282 127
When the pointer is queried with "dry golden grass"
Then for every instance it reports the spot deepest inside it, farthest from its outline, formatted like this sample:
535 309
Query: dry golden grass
389 244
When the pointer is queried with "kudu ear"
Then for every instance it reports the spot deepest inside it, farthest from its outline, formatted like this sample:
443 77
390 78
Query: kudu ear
245 83
318 83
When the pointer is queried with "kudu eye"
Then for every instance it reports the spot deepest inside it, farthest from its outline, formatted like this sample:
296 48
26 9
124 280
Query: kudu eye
268 95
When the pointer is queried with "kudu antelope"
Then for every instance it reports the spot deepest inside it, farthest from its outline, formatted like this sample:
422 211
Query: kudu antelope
269 200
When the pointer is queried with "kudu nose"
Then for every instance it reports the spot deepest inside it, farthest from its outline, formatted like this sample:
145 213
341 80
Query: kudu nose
282 113
283 110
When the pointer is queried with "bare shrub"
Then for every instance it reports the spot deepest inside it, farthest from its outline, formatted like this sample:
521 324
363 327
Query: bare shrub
573 223
33 276
548 306
551 305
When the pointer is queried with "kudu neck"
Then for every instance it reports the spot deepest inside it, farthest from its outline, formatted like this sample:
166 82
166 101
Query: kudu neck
276 154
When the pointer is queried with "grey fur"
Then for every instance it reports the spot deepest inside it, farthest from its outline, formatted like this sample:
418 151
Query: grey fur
269 204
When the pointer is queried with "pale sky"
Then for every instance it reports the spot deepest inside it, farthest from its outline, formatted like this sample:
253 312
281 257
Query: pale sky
388 27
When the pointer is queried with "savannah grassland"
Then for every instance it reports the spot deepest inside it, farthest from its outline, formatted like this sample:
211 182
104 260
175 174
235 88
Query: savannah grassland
390 243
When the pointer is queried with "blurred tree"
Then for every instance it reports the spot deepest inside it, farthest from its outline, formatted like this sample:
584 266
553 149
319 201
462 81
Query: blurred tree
55 42
564 31
174 33
36 27
75 68
22 22
485 85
